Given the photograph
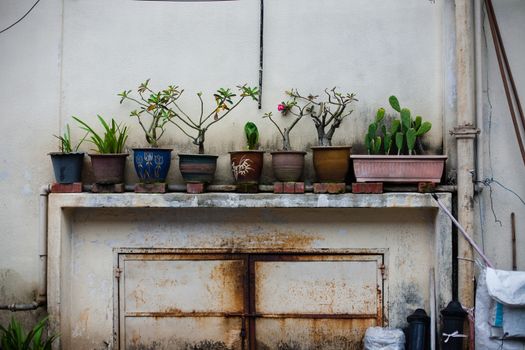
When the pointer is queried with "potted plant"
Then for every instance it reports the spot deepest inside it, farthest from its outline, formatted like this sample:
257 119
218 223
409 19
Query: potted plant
247 164
200 168
398 137
287 164
330 162
67 164
153 163
110 161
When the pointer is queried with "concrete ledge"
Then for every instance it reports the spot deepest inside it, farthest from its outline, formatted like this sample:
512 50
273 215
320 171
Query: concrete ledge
242 200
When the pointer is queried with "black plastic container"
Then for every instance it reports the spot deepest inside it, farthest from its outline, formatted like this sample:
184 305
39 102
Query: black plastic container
67 166
453 320
418 331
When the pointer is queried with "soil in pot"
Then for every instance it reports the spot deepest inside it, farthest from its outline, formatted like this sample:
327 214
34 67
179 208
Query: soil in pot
108 168
67 166
288 166
152 164
247 166
331 163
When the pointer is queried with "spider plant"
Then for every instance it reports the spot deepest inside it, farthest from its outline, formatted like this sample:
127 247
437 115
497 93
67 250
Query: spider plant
113 139
14 338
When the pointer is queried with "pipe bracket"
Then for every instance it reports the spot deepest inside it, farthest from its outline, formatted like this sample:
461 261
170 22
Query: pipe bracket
465 131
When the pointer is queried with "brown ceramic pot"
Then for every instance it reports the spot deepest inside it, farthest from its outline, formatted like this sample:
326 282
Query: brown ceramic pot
108 168
247 166
331 162
398 169
288 166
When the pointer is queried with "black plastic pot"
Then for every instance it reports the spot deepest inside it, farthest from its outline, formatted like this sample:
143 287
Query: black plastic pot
67 166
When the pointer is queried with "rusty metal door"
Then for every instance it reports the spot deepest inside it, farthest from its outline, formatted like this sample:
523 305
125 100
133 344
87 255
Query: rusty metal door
189 301
314 301
247 301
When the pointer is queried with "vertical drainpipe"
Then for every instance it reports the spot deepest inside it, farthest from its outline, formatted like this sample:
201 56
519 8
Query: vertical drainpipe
465 133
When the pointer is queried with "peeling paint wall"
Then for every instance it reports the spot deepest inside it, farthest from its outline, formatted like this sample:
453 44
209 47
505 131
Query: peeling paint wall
501 157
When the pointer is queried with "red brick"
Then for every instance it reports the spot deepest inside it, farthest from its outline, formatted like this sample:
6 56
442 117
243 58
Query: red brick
299 187
195 188
289 187
329 187
66 188
110 188
278 187
367 187
159 187
426 187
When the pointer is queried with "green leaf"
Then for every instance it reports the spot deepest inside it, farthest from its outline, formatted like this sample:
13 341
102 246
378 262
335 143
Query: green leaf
395 126
399 142
394 102
406 121
372 129
380 115
411 139
252 135
377 145
424 128
417 122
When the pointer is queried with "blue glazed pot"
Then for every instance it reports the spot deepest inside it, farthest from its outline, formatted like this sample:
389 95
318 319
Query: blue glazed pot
67 166
197 168
152 164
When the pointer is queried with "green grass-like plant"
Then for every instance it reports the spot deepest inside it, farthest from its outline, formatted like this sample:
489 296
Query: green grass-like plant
66 145
15 338
113 139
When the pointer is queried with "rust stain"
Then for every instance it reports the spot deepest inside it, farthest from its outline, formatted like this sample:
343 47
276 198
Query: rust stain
83 319
138 296
229 279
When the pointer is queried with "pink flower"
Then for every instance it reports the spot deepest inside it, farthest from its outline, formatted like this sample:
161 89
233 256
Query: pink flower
281 107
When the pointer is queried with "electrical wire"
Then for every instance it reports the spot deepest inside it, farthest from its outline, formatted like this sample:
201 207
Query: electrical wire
21 18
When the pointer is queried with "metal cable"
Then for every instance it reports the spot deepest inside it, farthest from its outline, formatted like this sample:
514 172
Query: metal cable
21 18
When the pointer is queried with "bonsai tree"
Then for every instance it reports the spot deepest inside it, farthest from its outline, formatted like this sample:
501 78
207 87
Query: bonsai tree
327 114
289 108
152 104
252 136
405 131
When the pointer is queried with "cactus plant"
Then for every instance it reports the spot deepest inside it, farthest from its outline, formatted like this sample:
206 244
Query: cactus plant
404 131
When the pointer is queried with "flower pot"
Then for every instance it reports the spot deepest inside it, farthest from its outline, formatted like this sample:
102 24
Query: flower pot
399 169
108 168
247 166
331 162
152 164
67 166
197 168
288 166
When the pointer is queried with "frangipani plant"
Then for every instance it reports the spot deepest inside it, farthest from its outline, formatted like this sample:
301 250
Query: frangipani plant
154 104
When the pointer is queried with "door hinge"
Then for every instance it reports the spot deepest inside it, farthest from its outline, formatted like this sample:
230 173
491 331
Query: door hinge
383 271
118 272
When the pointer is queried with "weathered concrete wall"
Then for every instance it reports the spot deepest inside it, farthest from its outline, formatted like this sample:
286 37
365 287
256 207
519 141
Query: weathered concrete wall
501 157
30 86
73 57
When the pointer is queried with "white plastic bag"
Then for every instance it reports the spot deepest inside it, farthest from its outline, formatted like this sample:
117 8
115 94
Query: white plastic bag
378 338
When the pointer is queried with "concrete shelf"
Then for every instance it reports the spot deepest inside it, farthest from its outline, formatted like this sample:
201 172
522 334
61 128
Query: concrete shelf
238 200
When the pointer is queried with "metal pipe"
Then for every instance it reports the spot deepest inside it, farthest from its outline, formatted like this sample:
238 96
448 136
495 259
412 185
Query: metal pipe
41 297
478 61
465 135
463 232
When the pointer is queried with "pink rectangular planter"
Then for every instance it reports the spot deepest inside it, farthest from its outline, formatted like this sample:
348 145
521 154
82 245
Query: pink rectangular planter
406 169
